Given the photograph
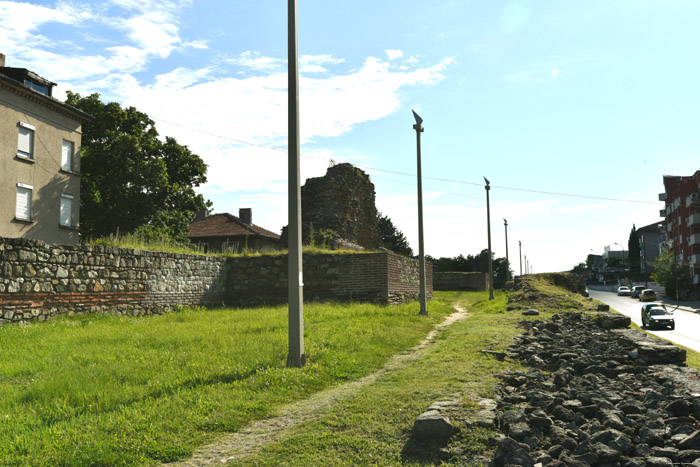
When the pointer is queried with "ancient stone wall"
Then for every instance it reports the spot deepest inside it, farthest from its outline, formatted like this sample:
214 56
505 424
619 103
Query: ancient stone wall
39 280
473 281
343 200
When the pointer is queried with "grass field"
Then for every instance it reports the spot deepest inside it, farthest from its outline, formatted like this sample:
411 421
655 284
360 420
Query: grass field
106 390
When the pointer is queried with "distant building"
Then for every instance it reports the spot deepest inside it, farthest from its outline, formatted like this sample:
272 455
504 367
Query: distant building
40 161
682 221
226 233
651 240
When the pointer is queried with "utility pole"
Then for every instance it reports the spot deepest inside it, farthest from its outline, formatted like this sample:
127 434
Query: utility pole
505 222
520 250
421 251
295 277
525 264
488 228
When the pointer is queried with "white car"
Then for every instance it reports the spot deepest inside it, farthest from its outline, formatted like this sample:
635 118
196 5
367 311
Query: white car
624 290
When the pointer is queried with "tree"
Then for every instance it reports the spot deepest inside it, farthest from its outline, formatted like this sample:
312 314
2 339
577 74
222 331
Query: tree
671 275
580 268
392 238
634 252
131 179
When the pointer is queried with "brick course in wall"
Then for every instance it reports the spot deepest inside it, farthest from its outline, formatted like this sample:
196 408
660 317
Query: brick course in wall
38 281
473 281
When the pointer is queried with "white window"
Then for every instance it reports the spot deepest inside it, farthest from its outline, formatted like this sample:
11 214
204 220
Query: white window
23 209
67 155
25 143
66 210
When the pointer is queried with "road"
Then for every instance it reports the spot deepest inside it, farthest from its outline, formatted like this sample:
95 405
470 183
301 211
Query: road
687 332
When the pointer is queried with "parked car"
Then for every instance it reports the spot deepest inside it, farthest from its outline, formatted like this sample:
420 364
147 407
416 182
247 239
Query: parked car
624 290
636 290
657 316
647 295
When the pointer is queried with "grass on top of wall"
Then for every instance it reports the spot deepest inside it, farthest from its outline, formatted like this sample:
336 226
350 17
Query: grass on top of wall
163 244
108 390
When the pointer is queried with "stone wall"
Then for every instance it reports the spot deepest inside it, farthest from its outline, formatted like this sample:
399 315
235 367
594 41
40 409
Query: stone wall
39 280
473 281
369 277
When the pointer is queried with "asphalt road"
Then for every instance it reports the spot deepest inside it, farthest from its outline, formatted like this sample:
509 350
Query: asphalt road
687 332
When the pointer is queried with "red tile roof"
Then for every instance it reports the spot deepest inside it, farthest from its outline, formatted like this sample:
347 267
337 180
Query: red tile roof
224 225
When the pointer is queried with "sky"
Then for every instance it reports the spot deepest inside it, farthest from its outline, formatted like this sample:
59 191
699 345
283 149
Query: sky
574 111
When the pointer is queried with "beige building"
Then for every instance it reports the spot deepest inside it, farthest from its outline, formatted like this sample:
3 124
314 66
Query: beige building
39 159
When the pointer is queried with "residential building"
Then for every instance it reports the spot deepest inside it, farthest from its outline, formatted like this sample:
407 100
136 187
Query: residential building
614 262
226 233
682 220
39 159
651 240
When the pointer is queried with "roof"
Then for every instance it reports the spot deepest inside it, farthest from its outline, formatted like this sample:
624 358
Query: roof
226 225
55 104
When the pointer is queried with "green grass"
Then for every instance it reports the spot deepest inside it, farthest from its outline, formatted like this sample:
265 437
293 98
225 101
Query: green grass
374 426
106 390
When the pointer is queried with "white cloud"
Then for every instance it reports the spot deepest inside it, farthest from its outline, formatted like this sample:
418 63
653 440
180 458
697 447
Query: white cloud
314 63
394 54
555 72
257 62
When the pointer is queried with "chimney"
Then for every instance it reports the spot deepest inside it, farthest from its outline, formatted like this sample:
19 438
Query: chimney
246 215
2 59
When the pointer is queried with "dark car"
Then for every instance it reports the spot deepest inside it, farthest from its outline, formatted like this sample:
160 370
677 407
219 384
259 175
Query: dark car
647 295
636 290
657 316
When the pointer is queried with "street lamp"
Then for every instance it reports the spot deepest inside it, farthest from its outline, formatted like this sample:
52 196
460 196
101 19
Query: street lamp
488 228
505 222
520 251
421 252
295 276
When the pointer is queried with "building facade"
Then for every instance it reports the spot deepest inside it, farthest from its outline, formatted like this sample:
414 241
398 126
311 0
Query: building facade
682 221
652 240
39 160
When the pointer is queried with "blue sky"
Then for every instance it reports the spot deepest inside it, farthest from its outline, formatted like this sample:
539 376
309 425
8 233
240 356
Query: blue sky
547 99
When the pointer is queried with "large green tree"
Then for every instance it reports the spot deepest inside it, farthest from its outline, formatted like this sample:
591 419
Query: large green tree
131 179
392 238
671 275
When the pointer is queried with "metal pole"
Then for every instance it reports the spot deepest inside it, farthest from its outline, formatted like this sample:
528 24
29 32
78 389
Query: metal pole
488 228
525 264
295 277
421 251
505 222
520 251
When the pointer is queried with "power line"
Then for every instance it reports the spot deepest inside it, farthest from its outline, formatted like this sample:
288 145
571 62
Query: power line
371 168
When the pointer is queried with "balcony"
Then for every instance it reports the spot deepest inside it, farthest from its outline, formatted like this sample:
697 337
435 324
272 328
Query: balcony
662 196
693 219
662 213
692 199
694 239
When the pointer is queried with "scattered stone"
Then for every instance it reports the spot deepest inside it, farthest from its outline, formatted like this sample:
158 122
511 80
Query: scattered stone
531 312
431 425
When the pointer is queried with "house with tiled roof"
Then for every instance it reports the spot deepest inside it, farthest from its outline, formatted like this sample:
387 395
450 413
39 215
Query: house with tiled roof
226 233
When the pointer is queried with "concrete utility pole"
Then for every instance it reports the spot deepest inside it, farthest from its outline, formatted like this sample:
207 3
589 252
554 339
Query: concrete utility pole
488 228
505 222
525 264
520 250
295 278
421 251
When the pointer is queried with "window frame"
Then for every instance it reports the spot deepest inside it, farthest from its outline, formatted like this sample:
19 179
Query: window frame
66 198
67 164
31 129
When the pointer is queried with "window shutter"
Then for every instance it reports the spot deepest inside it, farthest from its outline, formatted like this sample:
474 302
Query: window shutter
25 143
24 203
66 155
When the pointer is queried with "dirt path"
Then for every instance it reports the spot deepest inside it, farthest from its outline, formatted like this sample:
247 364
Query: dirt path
250 439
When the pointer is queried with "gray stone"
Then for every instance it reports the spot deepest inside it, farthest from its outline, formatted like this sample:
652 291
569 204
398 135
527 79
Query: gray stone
431 425
531 312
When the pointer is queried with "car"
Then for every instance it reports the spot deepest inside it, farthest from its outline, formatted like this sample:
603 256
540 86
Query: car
636 290
657 316
624 290
647 295
646 306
